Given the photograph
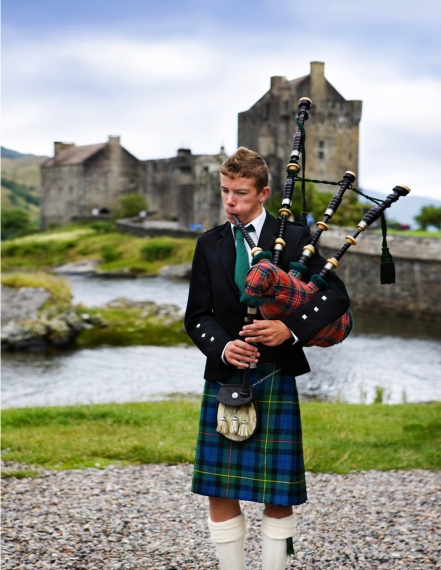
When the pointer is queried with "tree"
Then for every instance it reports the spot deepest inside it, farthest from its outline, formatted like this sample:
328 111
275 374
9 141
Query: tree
131 205
429 216
16 223
350 212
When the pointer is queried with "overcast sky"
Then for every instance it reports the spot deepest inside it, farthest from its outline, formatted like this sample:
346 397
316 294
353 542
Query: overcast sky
167 73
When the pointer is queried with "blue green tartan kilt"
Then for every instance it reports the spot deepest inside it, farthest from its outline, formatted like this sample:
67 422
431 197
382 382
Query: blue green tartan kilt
266 468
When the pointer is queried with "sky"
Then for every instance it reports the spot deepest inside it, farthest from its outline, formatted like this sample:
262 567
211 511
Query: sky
165 74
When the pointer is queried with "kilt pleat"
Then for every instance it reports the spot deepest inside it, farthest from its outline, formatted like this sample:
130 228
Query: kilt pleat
268 467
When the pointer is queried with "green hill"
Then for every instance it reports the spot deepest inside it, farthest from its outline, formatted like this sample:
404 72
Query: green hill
21 181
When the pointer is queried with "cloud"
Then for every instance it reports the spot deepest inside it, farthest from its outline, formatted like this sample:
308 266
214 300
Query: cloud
159 94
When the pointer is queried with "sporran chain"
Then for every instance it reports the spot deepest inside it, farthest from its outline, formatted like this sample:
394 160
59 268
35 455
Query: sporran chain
266 377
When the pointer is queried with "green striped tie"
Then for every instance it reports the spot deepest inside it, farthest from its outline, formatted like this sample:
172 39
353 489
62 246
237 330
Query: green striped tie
242 261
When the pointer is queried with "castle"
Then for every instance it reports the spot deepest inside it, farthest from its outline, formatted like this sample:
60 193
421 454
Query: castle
80 179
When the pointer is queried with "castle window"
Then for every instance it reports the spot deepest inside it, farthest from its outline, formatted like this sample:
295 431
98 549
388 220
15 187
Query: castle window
71 189
321 144
321 155
60 189
267 111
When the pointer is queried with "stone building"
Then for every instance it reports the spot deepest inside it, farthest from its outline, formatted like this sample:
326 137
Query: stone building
332 129
79 179
185 188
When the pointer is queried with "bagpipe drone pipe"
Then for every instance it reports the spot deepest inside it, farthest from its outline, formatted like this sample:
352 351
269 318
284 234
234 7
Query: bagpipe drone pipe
293 168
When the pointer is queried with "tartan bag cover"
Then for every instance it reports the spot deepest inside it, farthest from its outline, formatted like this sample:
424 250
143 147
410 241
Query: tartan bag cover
284 293
269 466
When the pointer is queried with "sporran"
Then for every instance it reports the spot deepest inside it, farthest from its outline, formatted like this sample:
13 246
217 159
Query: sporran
237 412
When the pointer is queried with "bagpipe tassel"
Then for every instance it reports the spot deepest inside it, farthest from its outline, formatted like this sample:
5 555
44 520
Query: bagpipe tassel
387 267
222 426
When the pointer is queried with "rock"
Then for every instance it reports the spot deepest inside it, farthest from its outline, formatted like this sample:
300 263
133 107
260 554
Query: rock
82 267
145 517
59 331
182 271
23 303
168 311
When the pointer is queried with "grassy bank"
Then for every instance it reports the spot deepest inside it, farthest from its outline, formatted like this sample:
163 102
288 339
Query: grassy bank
126 325
100 241
413 233
129 327
56 286
337 437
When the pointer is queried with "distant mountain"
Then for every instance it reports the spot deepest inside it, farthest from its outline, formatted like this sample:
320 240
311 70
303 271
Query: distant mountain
405 209
21 181
8 153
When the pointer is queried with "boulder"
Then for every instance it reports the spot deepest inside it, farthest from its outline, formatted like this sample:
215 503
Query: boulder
170 312
182 271
22 304
82 267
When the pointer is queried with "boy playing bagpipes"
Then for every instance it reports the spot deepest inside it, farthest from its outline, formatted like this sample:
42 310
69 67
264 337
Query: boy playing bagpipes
268 467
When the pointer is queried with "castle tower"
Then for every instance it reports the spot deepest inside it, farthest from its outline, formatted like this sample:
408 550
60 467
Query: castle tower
332 129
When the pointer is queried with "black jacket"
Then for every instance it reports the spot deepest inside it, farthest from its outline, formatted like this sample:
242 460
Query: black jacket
214 314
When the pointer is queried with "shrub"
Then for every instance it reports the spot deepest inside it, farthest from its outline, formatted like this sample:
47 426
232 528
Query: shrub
131 205
109 252
16 223
103 227
157 249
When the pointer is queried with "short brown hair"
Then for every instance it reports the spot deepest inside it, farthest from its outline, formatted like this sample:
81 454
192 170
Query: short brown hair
249 164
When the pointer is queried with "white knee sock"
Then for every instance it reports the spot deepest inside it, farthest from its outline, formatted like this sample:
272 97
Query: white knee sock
229 539
274 535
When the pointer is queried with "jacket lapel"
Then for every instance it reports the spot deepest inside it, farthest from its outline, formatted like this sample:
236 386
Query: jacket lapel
270 230
227 253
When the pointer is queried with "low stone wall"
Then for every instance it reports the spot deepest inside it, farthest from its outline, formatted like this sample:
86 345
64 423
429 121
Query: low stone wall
154 229
416 293
417 290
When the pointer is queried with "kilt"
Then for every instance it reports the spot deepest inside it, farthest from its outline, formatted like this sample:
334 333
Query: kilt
266 468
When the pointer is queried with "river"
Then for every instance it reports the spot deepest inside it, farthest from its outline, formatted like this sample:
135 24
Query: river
401 357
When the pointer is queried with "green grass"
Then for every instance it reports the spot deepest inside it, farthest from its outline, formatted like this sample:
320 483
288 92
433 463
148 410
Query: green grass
115 251
126 327
337 437
414 233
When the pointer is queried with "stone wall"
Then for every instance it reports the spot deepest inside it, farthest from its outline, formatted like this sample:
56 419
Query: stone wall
61 191
416 292
184 188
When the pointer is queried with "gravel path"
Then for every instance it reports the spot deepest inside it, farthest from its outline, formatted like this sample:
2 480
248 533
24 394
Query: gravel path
145 518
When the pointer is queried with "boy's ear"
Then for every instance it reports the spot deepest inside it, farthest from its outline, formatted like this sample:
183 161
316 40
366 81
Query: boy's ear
264 195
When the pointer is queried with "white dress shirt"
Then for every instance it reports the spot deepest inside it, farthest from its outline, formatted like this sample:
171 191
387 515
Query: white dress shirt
255 236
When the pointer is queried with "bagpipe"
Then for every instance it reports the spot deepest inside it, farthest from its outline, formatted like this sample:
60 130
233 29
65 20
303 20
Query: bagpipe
277 293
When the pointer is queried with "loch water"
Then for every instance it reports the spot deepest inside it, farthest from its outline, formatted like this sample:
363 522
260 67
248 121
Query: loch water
395 358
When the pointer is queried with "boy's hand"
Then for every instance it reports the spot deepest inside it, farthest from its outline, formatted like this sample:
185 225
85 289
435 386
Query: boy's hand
238 353
270 333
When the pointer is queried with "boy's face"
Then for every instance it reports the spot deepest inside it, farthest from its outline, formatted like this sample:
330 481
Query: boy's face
240 197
